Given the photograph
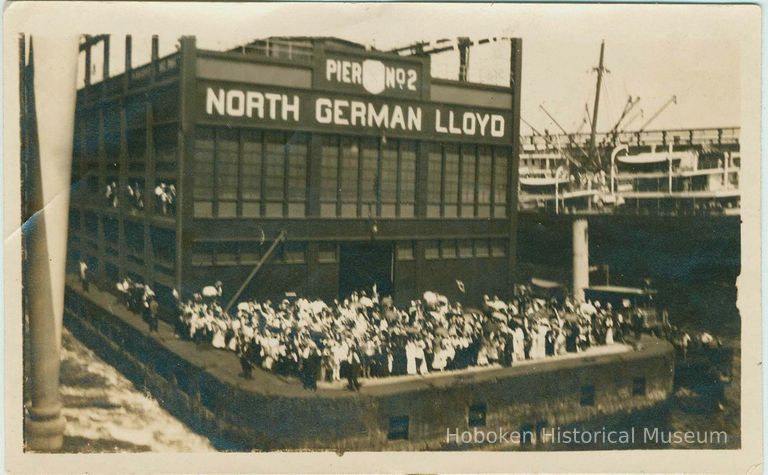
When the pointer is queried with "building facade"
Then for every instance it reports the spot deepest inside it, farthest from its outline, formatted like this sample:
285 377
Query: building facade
364 168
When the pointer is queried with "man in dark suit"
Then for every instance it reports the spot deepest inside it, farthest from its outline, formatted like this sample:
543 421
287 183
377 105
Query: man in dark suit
244 352
153 319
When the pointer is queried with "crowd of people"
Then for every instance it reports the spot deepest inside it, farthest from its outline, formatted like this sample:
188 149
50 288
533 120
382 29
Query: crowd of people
140 298
365 335
111 194
136 195
165 196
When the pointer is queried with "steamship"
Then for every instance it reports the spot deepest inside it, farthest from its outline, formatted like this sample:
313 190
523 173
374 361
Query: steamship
696 176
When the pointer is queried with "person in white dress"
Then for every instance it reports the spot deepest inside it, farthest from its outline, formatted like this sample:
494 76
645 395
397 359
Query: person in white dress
609 331
219 329
519 344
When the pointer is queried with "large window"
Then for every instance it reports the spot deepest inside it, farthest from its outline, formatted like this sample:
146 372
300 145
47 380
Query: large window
467 182
367 177
242 173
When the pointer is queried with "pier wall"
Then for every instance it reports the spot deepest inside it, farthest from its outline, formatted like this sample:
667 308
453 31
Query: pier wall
555 393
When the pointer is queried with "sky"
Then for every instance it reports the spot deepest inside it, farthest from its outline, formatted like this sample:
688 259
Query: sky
654 52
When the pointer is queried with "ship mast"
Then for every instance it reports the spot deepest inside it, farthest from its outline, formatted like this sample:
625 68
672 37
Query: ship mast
600 70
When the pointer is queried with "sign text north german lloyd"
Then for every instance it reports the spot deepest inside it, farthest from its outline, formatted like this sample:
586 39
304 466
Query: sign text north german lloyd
336 113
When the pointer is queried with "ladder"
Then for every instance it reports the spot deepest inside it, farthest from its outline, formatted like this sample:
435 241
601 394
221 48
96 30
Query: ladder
280 238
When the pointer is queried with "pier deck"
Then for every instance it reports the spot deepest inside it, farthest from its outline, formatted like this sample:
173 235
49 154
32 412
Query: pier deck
224 365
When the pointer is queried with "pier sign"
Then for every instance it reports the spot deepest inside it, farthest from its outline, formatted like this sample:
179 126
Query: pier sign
371 75
272 108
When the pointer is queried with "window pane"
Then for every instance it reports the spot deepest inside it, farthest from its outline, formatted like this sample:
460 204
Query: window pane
435 171
226 164
202 255
297 168
274 156
407 174
468 174
293 252
484 173
481 248
226 253
500 173
389 172
448 248
327 252
329 169
250 252
498 248
451 174
203 164
137 146
432 249
404 250
251 166
465 248
349 168
370 163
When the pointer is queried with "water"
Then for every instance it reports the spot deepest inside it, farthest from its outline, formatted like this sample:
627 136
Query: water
690 411
105 412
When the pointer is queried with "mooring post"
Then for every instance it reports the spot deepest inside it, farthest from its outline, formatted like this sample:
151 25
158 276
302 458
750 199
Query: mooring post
54 62
580 258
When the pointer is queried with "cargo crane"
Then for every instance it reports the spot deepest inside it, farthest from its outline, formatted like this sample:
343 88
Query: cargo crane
631 103
672 100
572 142
461 44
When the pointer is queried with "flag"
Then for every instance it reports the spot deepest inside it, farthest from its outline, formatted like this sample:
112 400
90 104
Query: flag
460 285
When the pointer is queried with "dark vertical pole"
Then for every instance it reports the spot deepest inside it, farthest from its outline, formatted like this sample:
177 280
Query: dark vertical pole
155 56
128 59
600 69
149 193
87 72
185 154
105 66
515 80
464 44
